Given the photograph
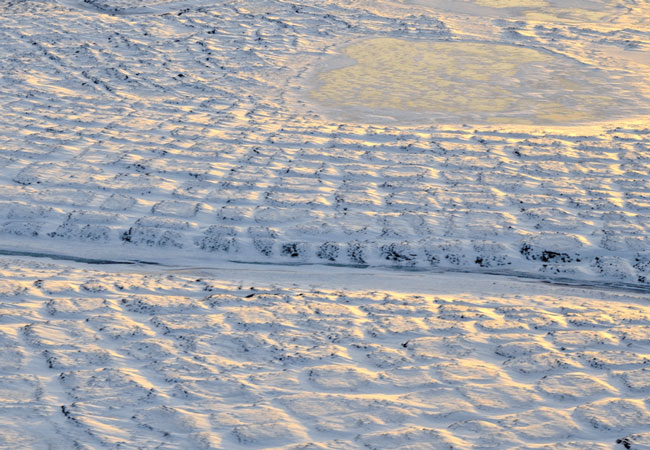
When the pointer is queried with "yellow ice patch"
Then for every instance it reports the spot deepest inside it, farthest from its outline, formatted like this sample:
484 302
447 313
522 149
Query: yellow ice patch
470 81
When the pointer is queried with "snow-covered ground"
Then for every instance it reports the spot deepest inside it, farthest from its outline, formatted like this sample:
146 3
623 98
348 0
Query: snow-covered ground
389 166
205 131
243 356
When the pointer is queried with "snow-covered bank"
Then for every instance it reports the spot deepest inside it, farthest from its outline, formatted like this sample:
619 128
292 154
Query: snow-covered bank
250 357
189 130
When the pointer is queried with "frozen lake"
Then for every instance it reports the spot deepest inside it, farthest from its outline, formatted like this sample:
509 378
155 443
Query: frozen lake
550 11
473 82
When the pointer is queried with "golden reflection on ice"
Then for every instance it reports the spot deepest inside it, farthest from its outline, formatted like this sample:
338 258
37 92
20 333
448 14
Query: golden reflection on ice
600 14
568 15
511 3
469 81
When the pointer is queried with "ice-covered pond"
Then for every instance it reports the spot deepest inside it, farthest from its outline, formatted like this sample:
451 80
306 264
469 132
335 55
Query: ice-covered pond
475 82
577 11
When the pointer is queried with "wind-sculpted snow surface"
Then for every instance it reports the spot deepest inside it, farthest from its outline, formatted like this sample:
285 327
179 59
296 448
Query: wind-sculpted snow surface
239 358
190 131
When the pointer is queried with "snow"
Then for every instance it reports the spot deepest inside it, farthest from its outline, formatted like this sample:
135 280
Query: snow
175 131
243 356
325 224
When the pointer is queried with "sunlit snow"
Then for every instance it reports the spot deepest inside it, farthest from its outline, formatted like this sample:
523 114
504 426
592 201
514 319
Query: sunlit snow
324 224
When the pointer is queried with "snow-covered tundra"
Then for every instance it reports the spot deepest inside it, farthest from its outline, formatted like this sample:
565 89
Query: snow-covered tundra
404 175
